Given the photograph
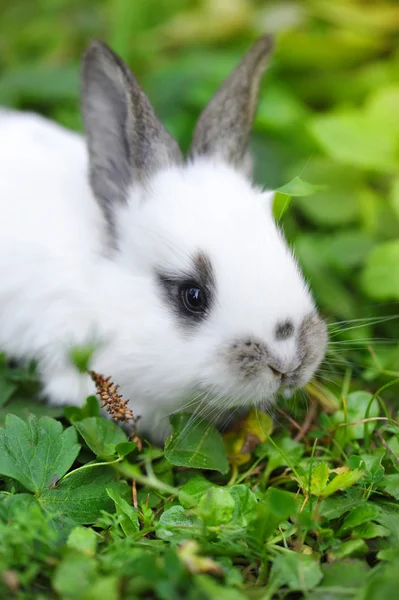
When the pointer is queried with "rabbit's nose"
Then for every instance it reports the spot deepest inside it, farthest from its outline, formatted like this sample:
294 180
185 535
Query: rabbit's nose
276 372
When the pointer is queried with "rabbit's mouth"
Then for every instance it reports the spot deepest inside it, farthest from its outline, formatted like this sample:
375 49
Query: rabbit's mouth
284 363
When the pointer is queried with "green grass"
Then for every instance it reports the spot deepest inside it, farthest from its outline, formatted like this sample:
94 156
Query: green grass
263 511
312 510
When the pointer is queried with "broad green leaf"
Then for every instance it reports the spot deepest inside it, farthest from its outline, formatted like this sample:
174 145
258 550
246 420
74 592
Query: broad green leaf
335 507
196 488
358 516
11 505
299 187
199 446
277 506
383 583
395 196
90 409
390 484
278 109
74 575
370 530
83 495
281 204
84 540
339 202
297 571
382 107
357 403
372 463
177 523
328 286
101 435
37 453
356 139
380 277
212 590
350 548
216 506
343 481
128 515
107 586
319 478
244 505
125 448
340 577
22 408
7 389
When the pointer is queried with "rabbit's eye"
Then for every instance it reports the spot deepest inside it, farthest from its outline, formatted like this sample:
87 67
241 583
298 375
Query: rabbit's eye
193 298
191 293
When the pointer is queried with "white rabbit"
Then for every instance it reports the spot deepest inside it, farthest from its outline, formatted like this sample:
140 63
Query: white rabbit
174 269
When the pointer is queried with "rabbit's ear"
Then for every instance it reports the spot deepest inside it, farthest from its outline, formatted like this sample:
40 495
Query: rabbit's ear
126 141
224 126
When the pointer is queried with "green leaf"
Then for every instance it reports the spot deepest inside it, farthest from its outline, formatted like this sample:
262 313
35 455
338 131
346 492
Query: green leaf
343 481
216 506
395 196
83 540
390 484
245 503
341 579
195 487
382 107
36 453
90 409
128 515
370 530
7 389
319 478
357 403
380 277
383 583
339 203
359 515
74 575
101 435
199 447
212 590
281 204
83 495
277 506
356 139
177 523
299 187
350 548
22 408
125 448
81 357
297 571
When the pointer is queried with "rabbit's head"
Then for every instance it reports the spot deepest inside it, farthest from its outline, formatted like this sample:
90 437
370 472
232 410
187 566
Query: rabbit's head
227 312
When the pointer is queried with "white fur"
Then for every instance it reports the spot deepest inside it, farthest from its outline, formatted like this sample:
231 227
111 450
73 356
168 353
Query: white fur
61 287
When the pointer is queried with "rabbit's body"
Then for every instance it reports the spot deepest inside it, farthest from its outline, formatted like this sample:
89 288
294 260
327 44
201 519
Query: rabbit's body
175 271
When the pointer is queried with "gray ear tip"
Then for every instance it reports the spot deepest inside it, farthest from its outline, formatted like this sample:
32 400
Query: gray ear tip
96 51
264 46
268 42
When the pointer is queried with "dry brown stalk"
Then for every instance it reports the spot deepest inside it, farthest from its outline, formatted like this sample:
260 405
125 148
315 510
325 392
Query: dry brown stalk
110 399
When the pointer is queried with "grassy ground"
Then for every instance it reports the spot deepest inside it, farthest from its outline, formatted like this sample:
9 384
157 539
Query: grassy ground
310 510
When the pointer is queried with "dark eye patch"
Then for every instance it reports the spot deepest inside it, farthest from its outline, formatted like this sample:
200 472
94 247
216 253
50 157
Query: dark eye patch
176 288
284 330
